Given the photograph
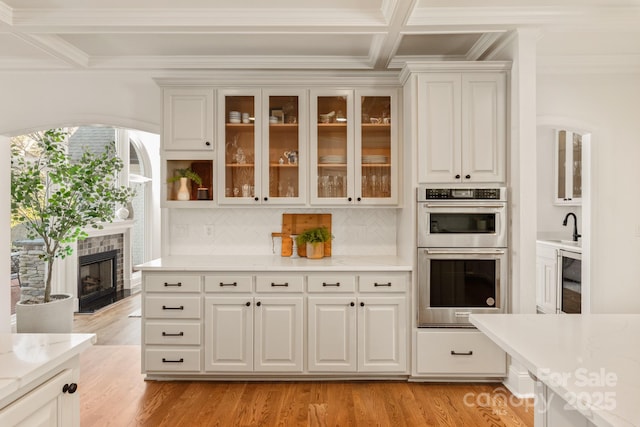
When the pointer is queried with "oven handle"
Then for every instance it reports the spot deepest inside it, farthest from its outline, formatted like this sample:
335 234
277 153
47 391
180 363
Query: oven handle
464 205
463 252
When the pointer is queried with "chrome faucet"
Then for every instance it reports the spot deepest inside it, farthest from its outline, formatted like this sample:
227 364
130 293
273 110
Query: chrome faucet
575 225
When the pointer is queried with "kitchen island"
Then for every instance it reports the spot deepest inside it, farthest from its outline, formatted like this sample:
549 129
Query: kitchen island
587 367
39 376
249 317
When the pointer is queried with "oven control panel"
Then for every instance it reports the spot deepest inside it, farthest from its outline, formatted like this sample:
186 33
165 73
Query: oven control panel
425 193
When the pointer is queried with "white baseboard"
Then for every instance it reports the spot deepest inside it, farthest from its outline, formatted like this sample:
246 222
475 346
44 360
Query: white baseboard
519 382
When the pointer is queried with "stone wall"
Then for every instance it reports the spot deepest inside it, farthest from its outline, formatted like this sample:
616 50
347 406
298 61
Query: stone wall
32 270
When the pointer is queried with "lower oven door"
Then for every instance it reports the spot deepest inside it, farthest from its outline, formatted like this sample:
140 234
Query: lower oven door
453 283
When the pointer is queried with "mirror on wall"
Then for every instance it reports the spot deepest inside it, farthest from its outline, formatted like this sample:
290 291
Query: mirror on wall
568 168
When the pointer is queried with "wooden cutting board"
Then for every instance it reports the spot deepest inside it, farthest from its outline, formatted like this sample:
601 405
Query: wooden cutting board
294 224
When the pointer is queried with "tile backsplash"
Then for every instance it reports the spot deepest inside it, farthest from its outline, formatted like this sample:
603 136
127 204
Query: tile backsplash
247 231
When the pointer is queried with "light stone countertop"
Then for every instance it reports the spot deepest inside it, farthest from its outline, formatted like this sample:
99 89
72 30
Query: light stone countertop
26 357
591 360
276 263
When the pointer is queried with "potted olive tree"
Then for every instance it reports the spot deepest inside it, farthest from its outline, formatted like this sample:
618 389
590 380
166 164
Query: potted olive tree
314 239
56 200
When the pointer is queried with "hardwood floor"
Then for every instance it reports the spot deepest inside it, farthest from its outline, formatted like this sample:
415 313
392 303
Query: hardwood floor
114 393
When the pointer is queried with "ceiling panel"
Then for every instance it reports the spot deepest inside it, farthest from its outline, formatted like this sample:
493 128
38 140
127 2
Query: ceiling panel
437 44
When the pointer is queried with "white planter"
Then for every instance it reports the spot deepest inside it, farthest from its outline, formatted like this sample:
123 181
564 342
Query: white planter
51 317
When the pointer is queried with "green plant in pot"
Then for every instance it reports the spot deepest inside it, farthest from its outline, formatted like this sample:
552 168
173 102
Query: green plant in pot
183 175
314 239
56 199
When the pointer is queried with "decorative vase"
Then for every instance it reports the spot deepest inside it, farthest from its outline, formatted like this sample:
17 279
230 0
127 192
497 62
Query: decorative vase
53 317
315 250
183 191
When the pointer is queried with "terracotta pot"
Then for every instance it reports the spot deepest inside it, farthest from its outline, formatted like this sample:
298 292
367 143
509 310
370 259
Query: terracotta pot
315 250
52 317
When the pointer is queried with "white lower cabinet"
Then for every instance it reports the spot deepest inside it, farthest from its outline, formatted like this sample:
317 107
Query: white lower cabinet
364 334
546 279
458 352
45 406
245 334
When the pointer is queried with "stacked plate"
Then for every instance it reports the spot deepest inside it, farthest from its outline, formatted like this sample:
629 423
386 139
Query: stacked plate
375 158
333 159
234 117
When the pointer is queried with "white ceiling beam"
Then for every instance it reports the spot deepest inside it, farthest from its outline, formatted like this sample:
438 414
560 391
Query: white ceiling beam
382 52
58 48
483 44
105 19
6 13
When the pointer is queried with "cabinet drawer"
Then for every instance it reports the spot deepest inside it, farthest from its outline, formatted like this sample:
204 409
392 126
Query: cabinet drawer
333 283
383 283
172 283
459 353
279 284
172 333
169 360
227 283
172 307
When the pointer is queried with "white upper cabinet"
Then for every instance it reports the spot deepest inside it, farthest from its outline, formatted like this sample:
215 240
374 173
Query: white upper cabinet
188 119
461 127
568 168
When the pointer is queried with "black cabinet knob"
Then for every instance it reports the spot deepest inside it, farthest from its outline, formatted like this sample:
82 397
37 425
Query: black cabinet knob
266 198
361 304
352 304
458 176
359 199
248 304
256 198
349 199
207 143
258 303
467 176
70 388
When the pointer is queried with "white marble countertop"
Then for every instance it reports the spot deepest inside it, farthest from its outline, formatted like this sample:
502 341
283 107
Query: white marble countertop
561 242
26 357
591 360
276 263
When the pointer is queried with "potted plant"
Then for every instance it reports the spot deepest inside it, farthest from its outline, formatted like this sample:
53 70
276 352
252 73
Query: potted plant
314 240
56 200
183 175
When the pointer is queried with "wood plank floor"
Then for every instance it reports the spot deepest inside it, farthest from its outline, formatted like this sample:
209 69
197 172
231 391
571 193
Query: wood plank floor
114 393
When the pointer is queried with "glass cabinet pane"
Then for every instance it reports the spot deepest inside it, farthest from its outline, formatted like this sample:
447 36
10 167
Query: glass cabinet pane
376 146
562 160
577 165
284 146
332 146
239 146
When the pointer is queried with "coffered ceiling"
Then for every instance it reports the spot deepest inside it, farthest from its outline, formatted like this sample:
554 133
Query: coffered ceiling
299 34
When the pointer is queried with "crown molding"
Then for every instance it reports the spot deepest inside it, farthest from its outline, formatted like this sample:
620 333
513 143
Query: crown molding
452 66
57 48
482 45
318 78
589 64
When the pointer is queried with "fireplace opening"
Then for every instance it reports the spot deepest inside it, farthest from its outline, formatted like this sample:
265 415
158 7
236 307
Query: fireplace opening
97 281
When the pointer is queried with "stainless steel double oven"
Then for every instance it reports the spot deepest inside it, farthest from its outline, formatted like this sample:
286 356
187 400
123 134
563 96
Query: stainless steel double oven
462 254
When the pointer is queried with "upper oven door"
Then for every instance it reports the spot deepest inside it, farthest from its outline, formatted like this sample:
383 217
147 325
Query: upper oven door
456 224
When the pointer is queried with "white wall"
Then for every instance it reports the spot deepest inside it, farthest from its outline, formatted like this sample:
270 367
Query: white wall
610 102
5 237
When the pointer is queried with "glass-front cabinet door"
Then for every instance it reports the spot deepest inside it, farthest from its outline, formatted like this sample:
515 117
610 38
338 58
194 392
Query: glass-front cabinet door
376 147
568 168
332 141
239 146
284 153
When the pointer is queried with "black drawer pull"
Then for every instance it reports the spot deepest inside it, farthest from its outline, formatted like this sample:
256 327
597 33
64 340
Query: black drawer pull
229 284
285 284
181 360
337 284
164 307
388 284
166 285
167 334
463 353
